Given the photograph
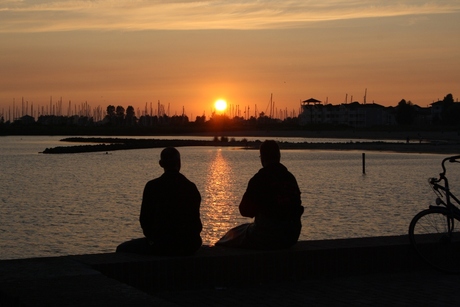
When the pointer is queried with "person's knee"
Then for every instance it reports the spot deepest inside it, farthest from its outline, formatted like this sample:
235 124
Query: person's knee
139 246
121 248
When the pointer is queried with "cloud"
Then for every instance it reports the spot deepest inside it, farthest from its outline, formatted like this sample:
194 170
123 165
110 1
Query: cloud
44 16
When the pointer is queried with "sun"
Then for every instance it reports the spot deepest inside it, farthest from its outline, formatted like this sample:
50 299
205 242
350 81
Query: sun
220 105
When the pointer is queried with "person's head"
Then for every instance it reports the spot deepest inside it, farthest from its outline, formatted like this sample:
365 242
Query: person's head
269 152
170 159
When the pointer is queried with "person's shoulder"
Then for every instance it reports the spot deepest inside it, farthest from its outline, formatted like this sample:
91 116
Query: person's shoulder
185 179
286 170
151 185
279 169
282 167
261 175
188 185
153 181
273 169
260 172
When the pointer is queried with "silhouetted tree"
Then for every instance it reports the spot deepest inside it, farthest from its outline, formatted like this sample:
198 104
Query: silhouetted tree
450 110
110 117
120 111
110 110
130 111
200 119
178 119
405 113
130 116
120 114
448 99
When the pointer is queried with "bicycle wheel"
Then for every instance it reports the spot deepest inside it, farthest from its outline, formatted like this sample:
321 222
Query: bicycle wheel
430 236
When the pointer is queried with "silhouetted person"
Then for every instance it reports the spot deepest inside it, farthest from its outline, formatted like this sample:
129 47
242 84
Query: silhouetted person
170 213
272 198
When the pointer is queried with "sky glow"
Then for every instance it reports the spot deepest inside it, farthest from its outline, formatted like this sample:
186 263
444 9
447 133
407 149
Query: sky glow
187 54
45 16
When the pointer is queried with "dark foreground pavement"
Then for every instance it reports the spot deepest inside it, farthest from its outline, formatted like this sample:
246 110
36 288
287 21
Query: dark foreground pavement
420 288
379 271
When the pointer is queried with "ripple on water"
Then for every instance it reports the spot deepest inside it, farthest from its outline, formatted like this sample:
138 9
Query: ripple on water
89 203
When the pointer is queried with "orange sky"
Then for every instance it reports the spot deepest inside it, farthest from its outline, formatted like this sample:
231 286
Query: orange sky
188 54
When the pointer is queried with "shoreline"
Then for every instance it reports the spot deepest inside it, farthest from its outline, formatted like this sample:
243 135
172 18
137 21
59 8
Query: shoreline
450 136
103 144
357 134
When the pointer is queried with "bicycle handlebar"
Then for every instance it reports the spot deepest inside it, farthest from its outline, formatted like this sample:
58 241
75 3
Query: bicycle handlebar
451 160
443 174
454 158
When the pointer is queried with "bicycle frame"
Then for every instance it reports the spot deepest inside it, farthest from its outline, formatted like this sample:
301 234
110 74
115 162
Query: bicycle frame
444 190
432 231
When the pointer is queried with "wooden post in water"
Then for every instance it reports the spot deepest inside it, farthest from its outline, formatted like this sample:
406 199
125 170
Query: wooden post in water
364 163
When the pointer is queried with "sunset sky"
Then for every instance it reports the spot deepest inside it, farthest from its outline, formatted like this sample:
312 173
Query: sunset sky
188 54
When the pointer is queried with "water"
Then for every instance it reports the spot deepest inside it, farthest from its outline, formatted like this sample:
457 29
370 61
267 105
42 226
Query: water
53 205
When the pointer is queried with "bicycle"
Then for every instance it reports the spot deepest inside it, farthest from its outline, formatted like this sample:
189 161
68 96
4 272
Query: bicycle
435 232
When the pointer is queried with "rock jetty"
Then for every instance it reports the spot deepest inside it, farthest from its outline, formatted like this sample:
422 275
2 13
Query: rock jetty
112 144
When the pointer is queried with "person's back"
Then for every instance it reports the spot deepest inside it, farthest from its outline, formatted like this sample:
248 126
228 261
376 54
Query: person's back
273 199
272 193
170 213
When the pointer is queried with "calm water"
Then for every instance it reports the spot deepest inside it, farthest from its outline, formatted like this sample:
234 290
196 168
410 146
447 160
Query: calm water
52 205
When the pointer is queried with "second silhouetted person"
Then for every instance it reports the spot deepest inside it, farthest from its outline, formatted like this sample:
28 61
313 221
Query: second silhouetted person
272 198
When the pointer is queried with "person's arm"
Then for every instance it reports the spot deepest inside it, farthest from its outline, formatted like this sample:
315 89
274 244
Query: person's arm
248 206
196 201
295 199
146 214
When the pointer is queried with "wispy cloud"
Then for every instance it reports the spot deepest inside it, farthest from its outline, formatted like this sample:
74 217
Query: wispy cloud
48 15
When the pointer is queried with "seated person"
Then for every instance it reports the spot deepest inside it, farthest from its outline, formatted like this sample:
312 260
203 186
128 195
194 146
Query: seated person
272 198
170 213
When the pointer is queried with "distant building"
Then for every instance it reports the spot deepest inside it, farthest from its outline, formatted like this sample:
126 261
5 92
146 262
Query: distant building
353 114
423 116
25 120
436 111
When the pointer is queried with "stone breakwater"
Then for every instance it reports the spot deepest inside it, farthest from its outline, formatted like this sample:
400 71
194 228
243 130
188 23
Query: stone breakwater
111 144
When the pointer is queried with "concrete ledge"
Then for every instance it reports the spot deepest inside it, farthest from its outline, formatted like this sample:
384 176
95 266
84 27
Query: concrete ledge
62 281
223 267
102 279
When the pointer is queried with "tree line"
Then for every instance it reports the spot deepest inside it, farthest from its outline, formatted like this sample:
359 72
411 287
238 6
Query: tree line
448 115
119 120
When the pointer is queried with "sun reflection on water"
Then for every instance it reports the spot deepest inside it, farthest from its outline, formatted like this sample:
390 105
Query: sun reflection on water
220 203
